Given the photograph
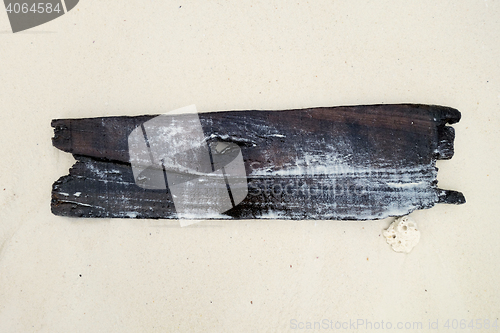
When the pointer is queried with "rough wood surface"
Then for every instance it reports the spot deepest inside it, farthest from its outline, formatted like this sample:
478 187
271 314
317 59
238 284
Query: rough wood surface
341 163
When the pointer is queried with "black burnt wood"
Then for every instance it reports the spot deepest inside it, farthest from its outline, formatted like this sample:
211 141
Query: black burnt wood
340 163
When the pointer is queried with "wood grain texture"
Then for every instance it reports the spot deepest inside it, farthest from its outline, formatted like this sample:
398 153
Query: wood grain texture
340 163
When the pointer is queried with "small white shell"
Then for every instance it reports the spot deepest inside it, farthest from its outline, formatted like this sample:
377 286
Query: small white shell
402 234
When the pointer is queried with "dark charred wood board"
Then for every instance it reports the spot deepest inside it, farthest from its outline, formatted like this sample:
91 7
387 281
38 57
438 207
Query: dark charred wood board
341 163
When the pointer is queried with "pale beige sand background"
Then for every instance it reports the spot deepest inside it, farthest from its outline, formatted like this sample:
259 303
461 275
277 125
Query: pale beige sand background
115 58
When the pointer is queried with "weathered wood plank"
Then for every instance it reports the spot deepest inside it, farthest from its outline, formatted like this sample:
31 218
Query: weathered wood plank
343 163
